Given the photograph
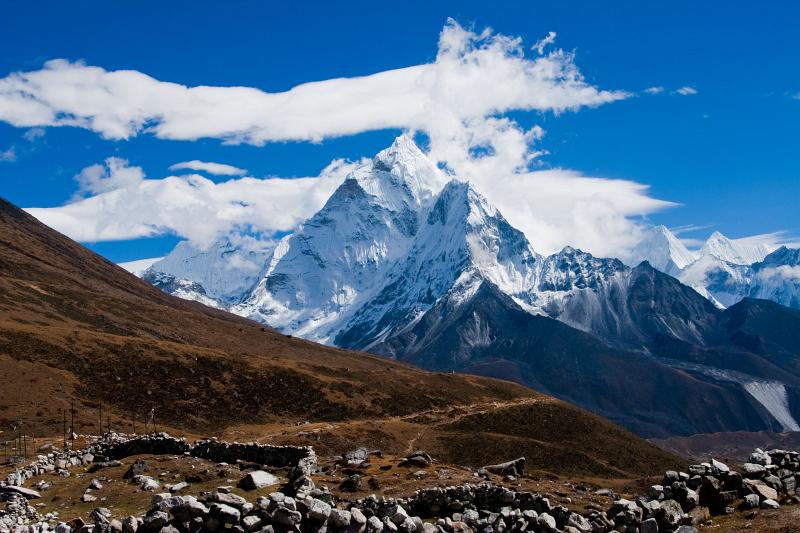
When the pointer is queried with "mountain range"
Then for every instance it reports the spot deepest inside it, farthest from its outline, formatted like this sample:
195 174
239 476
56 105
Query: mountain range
79 334
407 263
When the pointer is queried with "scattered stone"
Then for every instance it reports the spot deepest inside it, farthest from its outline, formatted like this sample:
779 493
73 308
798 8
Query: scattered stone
138 468
351 483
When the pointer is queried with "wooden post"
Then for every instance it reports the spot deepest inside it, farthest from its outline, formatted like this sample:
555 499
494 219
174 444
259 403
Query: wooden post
101 419
72 423
64 427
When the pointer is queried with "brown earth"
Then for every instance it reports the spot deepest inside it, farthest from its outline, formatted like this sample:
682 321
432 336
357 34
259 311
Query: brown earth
76 328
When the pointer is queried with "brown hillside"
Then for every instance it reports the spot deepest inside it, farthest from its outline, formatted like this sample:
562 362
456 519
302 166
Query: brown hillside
75 327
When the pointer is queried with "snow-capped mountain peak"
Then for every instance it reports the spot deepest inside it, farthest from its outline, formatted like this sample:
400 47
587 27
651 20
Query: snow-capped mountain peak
737 252
401 174
663 250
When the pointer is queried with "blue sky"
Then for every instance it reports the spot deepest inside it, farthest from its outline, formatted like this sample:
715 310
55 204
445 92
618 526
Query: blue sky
727 155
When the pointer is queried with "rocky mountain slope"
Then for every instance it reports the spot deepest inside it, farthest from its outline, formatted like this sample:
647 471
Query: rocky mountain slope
77 328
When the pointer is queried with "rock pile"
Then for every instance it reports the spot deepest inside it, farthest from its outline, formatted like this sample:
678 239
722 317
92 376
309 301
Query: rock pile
681 501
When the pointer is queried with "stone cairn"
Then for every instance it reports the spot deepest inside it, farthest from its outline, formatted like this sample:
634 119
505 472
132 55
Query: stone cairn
681 501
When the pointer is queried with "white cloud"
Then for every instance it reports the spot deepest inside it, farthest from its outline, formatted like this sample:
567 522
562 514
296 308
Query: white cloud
219 169
553 207
34 133
458 101
686 90
654 90
125 205
780 273
115 174
9 155
544 43
474 76
558 207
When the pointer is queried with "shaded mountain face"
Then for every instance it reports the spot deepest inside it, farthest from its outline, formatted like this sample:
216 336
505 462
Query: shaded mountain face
75 327
489 334
402 263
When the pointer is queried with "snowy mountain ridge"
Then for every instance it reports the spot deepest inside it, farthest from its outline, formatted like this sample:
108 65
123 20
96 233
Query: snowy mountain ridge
398 234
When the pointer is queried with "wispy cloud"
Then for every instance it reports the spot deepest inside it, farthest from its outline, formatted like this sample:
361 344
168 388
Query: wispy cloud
687 228
8 155
654 90
541 44
219 169
685 91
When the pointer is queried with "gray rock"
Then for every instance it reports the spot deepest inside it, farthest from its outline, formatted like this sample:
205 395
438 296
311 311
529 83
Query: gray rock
155 520
547 522
769 504
29 494
351 483
252 522
759 457
257 479
510 468
340 518
722 467
671 513
649 526
318 510
374 524
234 500
287 517
356 457
226 514
130 524
753 470
357 517
751 501
764 491
178 486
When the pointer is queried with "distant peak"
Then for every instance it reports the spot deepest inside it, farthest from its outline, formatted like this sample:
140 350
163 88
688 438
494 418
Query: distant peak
717 236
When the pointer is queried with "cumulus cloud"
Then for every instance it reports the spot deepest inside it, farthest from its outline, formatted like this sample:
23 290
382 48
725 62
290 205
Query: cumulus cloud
218 169
686 90
123 204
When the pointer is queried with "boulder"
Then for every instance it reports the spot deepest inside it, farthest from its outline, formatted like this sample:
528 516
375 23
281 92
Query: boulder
764 491
29 494
510 468
258 479
417 459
